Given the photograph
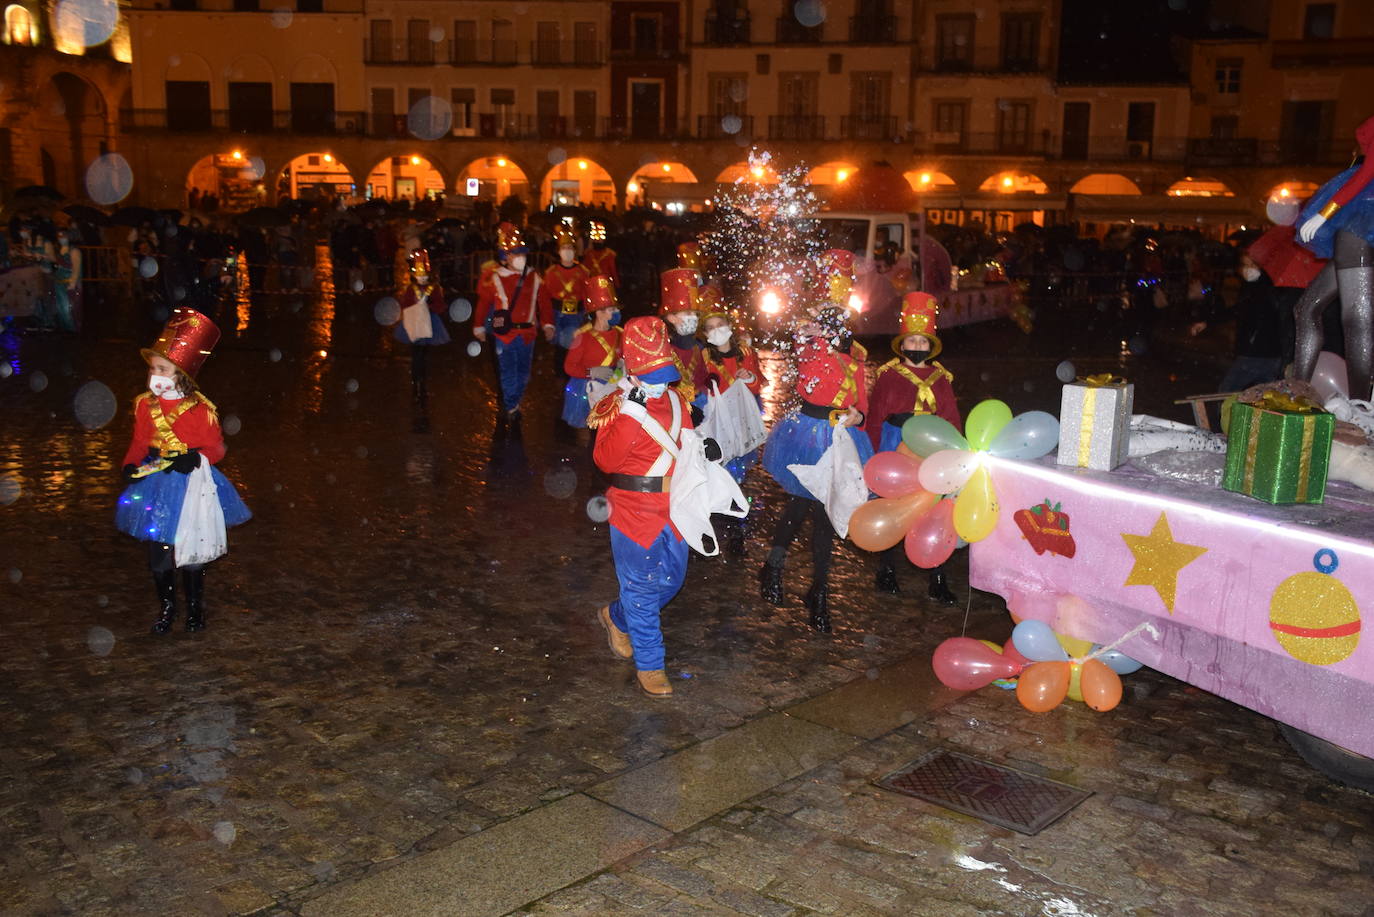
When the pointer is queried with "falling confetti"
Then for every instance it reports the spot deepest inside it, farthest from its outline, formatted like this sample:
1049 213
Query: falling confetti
95 405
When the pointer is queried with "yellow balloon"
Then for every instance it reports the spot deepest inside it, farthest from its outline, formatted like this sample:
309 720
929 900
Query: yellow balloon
975 509
1076 682
1073 646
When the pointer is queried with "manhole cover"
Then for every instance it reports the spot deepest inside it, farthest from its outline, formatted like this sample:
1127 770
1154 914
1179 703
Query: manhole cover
997 794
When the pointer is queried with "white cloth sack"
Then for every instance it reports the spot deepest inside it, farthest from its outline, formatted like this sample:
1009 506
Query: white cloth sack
837 480
200 531
733 421
700 488
418 322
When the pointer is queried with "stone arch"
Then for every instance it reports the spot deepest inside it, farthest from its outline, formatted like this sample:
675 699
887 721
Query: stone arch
926 180
404 175
834 172
744 171
71 121
499 176
235 178
1113 183
250 68
314 68
1013 182
317 174
652 174
187 65
577 180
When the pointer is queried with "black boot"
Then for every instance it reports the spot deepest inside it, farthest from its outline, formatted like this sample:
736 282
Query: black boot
166 583
734 541
770 583
818 603
886 580
193 583
939 589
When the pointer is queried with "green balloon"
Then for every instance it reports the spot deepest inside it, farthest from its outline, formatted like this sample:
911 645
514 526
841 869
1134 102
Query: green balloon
927 434
985 421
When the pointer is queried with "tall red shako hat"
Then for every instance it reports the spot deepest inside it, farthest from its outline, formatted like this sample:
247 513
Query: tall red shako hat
678 288
836 270
920 315
689 255
186 340
600 293
645 345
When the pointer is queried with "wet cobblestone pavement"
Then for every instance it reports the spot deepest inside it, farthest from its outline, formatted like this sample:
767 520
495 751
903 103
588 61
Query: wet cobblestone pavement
401 653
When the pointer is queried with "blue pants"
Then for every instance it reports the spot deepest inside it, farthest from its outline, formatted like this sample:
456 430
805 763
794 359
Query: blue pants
513 360
649 578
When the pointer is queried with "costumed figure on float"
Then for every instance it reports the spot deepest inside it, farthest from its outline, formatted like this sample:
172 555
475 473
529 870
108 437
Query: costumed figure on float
594 352
598 259
564 288
834 394
509 308
909 384
176 500
1338 223
421 325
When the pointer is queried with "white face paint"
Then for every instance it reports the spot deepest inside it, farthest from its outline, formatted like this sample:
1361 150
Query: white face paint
684 322
517 263
163 386
719 336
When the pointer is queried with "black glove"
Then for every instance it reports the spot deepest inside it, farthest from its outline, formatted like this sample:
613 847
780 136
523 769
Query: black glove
185 463
127 472
697 417
712 449
637 395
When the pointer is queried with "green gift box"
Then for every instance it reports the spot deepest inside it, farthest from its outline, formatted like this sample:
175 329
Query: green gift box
1278 451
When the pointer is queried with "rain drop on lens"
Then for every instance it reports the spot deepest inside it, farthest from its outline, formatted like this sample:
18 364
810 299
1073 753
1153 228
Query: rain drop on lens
100 641
38 381
147 267
109 179
460 310
231 424
274 355
387 311
1065 372
474 348
351 386
430 118
225 832
95 405
10 489
557 156
281 18
560 483
598 509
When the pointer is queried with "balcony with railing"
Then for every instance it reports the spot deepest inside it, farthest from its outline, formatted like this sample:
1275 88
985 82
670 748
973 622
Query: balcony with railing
869 127
796 127
247 121
971 143
873 30
724 127
401 52
1249 151
566 54
726 28
620 127
1323 52
465 52
791 32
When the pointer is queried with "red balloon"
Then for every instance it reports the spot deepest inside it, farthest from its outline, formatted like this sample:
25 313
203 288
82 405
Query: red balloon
966 664
892 474
931 539
1011 652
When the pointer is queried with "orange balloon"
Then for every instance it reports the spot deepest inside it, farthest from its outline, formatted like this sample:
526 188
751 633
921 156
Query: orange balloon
879 524
905 450
1043 686
1101 686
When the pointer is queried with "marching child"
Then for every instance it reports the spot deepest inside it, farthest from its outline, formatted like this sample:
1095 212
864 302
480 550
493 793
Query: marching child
911 383
421 290
176 439
595 350
564 287
727 360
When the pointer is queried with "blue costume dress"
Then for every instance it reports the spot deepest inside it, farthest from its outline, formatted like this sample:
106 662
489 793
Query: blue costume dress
1356 216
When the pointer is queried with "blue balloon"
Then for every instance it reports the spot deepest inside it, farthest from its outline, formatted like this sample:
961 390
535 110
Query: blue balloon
1119 662
1036 641
1026 436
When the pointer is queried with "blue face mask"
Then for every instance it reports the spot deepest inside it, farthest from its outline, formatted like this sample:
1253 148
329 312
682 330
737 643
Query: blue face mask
615 318
653 389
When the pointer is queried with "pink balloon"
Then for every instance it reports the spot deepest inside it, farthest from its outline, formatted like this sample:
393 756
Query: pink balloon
931 539
947 470
966 664
892 474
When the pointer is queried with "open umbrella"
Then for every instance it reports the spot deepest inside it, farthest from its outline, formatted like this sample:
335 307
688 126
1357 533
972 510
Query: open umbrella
39 191
265 217
86 214
1287 263
133 216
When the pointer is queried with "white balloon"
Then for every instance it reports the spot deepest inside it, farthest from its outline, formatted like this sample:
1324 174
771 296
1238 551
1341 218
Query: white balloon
1330 376
948 470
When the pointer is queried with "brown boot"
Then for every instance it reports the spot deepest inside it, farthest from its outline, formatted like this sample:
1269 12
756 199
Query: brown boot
655 683
618 640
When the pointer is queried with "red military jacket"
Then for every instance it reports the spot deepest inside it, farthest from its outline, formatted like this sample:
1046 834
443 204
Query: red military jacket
624 447
192 422
412 293
831 379
497 291
563 288
591 348
724 367
601 261
689 361
899 389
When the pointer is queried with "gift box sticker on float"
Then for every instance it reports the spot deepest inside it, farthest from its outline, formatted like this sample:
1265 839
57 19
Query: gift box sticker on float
1095 422
1278 450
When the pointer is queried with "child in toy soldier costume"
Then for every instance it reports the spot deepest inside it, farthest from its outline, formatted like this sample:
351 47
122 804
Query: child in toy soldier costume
176 442
595 351
678 307
834 393
510 308
911 383
639 432
598 259
421 290
564 288
727 360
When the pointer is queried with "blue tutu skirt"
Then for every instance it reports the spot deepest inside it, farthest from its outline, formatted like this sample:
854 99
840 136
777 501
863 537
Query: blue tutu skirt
739 467
1356 216
440 333
890 438
149 509
801 440
575 406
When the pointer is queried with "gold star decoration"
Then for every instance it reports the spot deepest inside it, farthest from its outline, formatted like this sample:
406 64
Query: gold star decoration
1158 560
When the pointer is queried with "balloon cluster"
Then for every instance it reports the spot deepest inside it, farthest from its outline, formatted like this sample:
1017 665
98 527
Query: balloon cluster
1045 673
936 460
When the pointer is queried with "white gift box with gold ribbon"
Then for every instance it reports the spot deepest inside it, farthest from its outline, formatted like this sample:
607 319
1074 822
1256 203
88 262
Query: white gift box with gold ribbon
1095 422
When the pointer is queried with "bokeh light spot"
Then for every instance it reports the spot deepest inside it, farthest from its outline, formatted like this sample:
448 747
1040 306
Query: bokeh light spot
95 405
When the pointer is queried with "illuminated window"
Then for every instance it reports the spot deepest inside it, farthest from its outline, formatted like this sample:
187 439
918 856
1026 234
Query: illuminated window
18 26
